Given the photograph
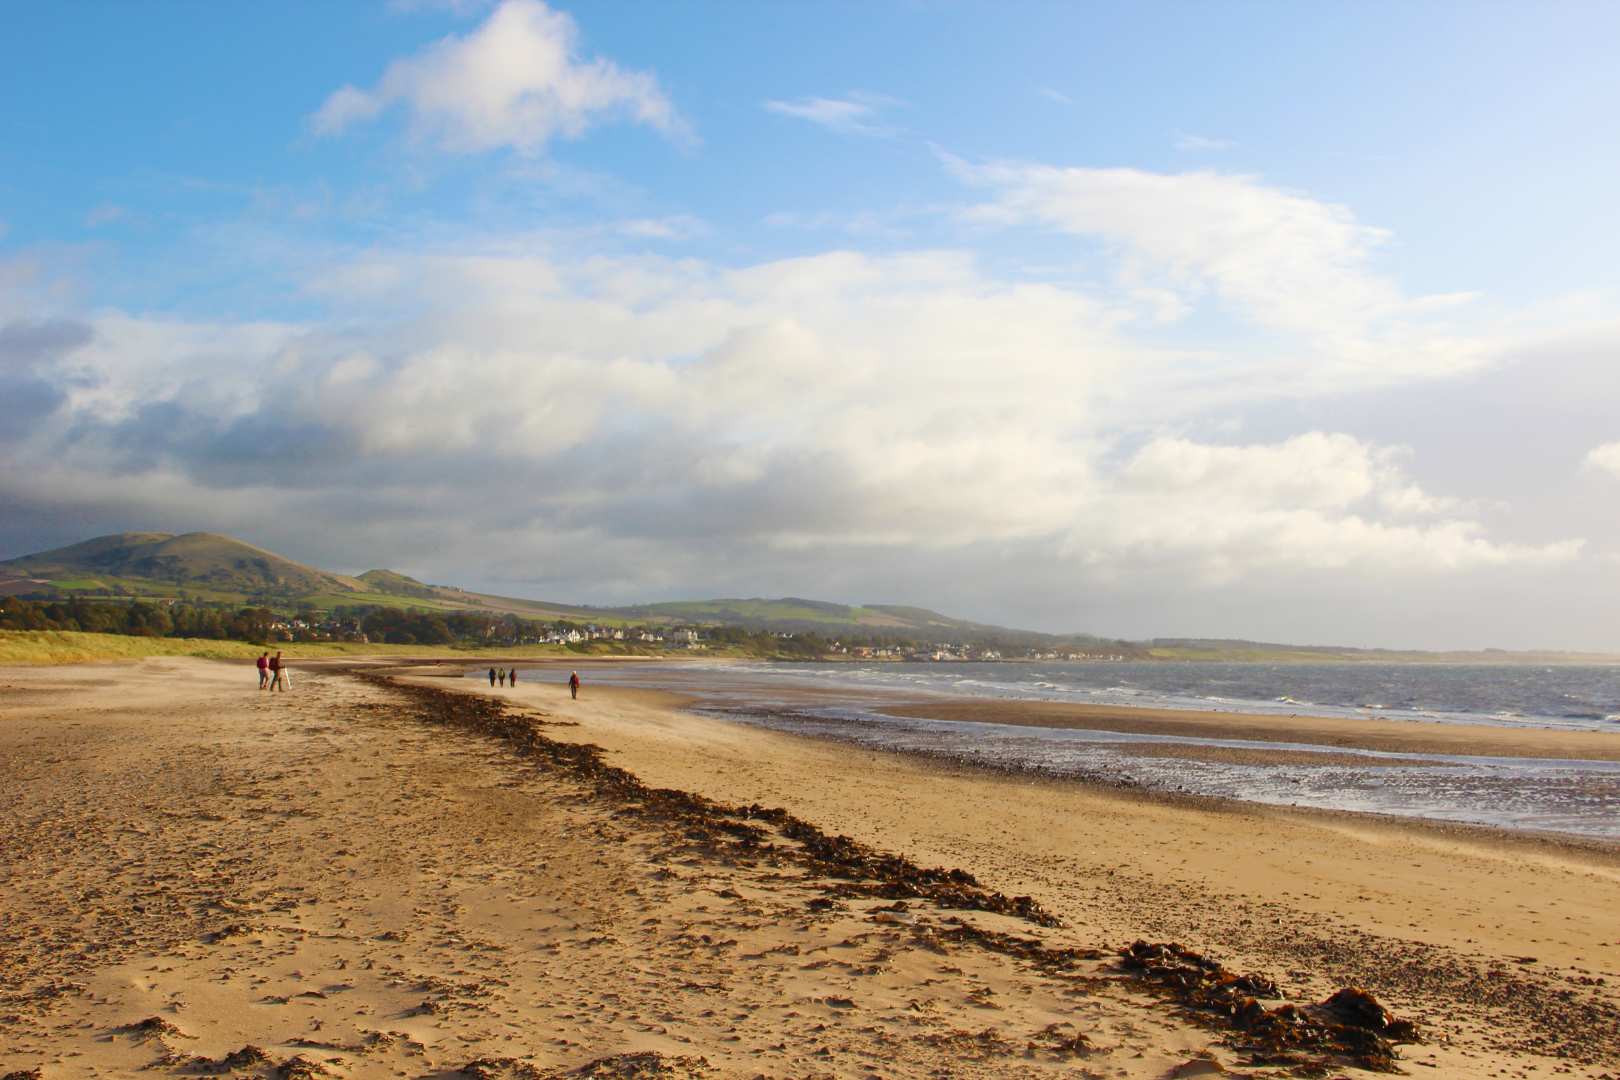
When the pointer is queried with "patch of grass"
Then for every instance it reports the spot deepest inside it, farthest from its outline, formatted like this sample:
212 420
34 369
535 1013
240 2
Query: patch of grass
77 583
75 647
326 601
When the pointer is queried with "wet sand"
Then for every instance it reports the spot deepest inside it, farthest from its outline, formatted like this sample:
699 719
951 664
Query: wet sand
357 881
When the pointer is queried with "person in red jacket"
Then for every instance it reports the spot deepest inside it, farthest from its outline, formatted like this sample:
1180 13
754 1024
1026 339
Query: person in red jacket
264 670
573 683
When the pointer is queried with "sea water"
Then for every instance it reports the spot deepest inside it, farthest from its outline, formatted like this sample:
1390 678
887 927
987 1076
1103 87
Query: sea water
1569 697
1575 797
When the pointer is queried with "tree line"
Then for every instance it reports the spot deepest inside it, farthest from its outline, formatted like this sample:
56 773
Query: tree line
395 626
137 618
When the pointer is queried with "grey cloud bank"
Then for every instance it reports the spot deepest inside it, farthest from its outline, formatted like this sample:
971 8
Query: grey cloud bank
903 428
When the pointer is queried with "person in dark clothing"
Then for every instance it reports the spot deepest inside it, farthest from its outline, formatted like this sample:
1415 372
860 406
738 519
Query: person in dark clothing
573 684
492 676
511 677
277 680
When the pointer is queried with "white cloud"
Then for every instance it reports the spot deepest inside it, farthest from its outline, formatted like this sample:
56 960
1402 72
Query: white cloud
669 227
105 214
898 406
1055 95
1202 143
1280 260
1288 261
1313 501
514 81
1605 458
854 114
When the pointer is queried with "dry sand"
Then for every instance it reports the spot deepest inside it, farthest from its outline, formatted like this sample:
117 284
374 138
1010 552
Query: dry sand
333 881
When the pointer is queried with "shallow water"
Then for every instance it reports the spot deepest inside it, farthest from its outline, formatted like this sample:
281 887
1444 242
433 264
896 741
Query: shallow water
1574 698
1576 797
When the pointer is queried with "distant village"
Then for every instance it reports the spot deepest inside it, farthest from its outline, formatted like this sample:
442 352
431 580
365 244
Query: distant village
659 638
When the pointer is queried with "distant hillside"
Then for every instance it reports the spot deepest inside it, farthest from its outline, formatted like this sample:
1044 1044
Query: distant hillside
218 568
1239 651
207 562
387 581
794 613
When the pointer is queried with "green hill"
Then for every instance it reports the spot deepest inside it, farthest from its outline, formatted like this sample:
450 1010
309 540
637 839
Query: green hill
207 563
387 581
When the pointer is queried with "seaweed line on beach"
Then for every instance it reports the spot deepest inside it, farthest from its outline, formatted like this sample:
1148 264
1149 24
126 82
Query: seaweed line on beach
887 875
1351 1026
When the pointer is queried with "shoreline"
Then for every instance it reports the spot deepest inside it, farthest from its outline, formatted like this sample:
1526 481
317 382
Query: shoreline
1603 849
1534 841
1394 735
1351 766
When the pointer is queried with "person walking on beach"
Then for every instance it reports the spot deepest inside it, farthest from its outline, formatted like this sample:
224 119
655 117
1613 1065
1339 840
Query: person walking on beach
264 670
503 676
511 677
492 678
573 684
276 681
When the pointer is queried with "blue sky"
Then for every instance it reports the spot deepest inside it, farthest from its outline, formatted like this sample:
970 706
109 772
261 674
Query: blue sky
1129 318
1425 119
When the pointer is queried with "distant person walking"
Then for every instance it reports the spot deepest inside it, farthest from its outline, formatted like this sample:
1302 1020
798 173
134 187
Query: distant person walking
573 684
492 678
511 677
277 680
503 676
264 670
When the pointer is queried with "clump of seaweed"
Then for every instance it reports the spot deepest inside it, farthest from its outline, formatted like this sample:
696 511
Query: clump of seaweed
153 1027
505 1068
244 1057
301 1068
1350 1024
644 1065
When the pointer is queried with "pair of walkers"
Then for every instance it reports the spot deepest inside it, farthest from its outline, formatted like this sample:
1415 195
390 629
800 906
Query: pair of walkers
272 672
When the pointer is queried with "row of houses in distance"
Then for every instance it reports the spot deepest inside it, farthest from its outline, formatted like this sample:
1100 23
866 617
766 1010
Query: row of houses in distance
958 652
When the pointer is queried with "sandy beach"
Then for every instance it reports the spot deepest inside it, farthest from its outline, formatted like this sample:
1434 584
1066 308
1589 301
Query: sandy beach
429 878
